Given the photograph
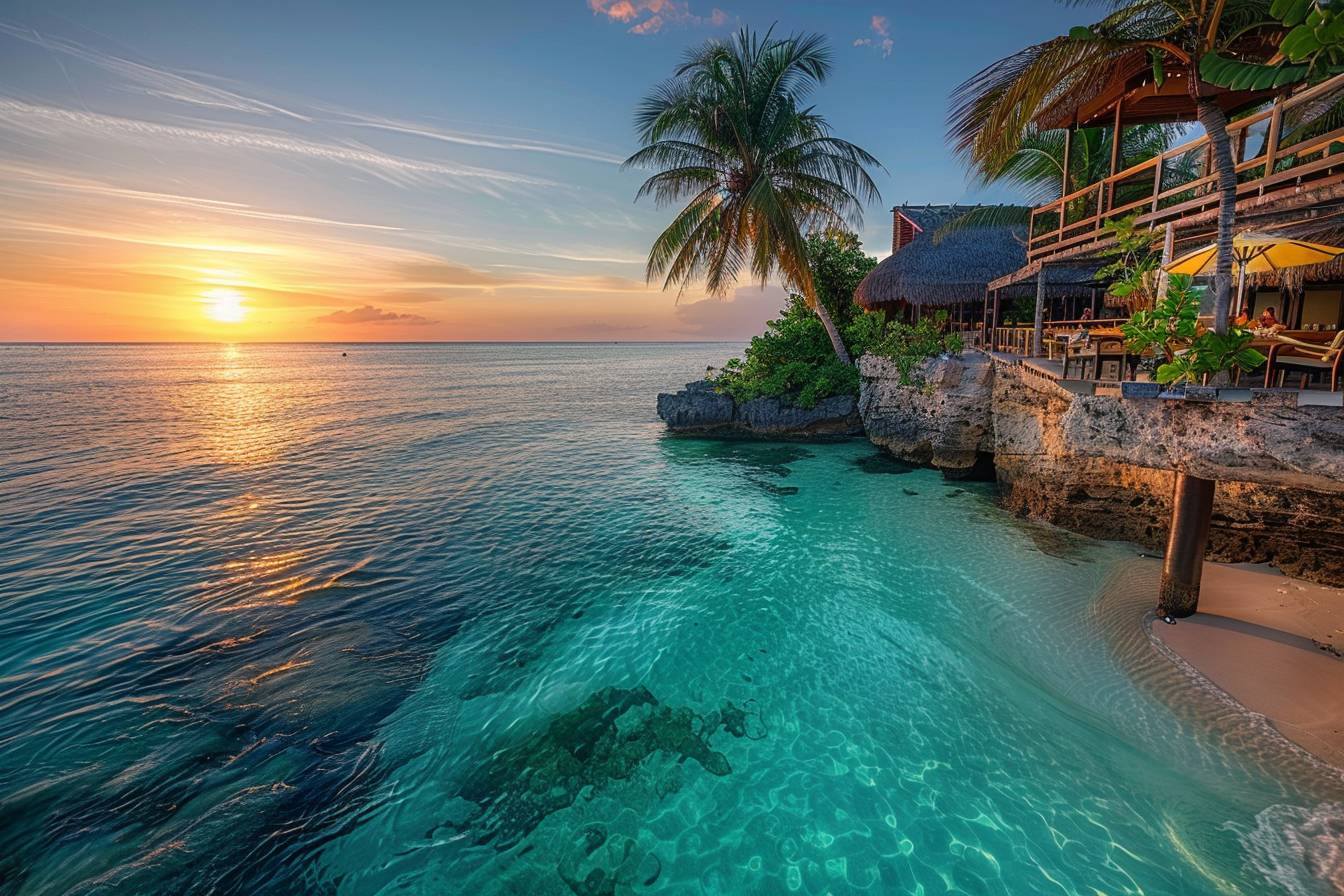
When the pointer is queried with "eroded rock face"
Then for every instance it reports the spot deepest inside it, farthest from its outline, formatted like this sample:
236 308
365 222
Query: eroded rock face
946 421
1103 466
697 407
699 410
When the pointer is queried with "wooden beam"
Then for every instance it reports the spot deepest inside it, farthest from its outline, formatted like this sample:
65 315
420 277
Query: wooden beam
994 324
1115 155
1272 143
1191 514
1038 327
1064 179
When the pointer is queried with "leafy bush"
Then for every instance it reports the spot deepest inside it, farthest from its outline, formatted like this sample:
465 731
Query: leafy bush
793 358
1134 266
909 345
1188 352
1171 326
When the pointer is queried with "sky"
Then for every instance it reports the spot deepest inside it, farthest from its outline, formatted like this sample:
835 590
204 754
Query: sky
329 171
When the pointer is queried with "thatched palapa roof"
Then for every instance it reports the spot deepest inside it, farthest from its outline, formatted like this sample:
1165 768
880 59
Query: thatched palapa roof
953 270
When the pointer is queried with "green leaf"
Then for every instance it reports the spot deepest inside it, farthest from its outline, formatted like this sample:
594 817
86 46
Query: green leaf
1290 12
1300 43
1082 32
1159 72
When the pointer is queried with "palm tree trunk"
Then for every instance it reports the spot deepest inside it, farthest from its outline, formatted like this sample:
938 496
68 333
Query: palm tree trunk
836 342
1215 125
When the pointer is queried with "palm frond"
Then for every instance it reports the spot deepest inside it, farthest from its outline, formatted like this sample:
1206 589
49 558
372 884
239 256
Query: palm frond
729 136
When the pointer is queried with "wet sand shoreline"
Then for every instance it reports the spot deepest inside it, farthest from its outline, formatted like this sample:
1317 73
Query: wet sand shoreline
1274 644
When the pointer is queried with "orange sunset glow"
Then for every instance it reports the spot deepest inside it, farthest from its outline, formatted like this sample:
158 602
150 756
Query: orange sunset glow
213 215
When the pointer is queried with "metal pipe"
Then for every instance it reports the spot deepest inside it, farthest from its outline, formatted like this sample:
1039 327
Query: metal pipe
1191 515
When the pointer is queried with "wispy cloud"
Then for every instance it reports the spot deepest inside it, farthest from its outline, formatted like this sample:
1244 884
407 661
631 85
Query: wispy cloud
193 89
880 27
649 16
484 141
57 123
367 314
15 179
153 81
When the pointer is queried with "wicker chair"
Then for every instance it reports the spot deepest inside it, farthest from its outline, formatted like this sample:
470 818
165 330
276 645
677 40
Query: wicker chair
1306 358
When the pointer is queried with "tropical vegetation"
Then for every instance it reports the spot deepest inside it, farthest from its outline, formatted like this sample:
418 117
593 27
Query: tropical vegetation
793 359
1132 268
995 109
1311 50
1187 352
750 167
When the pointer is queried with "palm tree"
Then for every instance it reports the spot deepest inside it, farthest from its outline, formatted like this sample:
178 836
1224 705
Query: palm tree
995 108
755 170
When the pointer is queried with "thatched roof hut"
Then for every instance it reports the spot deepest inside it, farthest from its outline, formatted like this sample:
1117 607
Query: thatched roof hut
924 273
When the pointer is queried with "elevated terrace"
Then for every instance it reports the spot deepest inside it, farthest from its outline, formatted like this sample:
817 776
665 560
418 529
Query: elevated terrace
1290 170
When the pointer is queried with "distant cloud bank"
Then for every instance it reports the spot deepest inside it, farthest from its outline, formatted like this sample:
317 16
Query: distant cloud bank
367 314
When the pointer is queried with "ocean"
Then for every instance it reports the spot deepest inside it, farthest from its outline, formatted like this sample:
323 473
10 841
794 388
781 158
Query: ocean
463 618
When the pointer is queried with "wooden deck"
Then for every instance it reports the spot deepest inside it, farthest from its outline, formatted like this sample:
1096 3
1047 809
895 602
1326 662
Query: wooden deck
1287 154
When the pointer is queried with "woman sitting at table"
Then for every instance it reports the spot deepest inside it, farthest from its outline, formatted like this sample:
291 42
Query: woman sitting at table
1244 316
1268 321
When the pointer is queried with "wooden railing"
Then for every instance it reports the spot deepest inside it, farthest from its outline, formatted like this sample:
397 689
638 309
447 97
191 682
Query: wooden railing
1274 147
1017 340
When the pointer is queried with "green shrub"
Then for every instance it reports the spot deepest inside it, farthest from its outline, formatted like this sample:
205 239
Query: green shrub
1184 350
793 358
909 345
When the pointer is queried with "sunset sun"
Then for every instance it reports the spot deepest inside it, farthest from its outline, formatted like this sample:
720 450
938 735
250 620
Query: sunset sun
224 305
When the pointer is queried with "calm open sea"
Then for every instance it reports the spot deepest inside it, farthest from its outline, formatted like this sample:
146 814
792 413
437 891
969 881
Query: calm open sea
463 619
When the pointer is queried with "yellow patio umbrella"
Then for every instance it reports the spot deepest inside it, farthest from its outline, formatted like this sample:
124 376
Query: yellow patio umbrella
1255 253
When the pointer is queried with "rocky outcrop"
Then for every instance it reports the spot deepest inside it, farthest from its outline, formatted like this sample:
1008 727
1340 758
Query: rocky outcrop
1103 465
945 421
699 410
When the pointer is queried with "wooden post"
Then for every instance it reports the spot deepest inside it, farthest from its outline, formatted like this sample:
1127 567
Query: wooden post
994 325
984 320
1191 513
1094 303
1115 157
1159 166
1064 180
1168 252
1038 328
1272 142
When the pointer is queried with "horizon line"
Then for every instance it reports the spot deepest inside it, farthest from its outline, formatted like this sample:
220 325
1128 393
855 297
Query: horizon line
35 342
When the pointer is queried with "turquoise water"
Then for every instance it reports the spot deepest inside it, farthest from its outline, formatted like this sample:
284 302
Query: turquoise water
462 619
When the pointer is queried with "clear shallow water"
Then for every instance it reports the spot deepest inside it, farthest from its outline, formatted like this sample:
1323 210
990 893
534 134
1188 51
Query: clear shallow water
461 619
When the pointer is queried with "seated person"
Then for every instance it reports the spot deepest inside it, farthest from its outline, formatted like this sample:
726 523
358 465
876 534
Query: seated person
1087 314
1268 321
1244 316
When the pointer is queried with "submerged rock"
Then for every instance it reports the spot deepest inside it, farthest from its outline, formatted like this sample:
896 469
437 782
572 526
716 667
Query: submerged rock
699 410
606 738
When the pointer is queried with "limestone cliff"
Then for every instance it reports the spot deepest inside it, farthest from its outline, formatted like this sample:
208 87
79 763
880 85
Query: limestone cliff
1104 465
945 422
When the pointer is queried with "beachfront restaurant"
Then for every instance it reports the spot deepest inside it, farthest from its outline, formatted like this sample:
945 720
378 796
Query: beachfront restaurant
1289 154
937 266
